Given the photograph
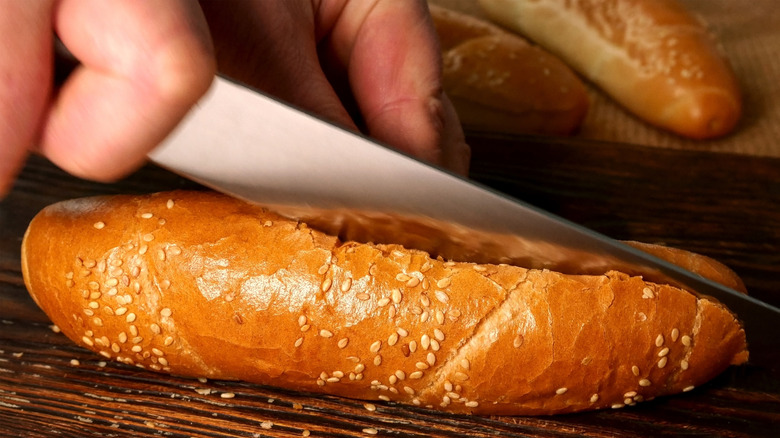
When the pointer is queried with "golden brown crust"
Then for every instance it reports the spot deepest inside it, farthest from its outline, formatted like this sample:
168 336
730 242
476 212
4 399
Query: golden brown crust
202 285
653 57
499 82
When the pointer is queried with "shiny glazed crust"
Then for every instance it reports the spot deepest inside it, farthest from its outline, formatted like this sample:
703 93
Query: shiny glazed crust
202 285
652 56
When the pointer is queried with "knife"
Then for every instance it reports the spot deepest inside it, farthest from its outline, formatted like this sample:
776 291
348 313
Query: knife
252 146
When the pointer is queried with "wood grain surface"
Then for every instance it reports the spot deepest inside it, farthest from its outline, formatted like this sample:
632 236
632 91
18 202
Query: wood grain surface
724 206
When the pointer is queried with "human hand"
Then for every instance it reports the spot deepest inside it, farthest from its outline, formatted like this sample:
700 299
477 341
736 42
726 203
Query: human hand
369 63
143 64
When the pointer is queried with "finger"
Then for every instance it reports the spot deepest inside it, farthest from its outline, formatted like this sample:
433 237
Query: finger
271 45
25 72
143 65
396 76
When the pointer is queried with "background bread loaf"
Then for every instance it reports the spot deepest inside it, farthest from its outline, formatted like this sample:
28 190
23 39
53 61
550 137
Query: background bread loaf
202 285
499 82
651 56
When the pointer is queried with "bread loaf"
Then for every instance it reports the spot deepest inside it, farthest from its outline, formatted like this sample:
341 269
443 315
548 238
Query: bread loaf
203 285
498 82
651 56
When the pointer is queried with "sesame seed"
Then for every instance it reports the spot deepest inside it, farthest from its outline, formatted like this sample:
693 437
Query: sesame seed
155 328
130 317
422 366
298 342
461 376
353 359
402 332
326 284
142 249
98 322
94 305
359 368
99 225
675 334
371 430
168 341
472 404
111 282
686 340
400 374
440 317
647 293
434 345
659 340
425 342
363 296
95 295
115 348
375 346
688 388
635 370
133 330
663 352
412 282
644 382
161 255
370 407
413 346
441 296
94 285
662 362
402 277
105 354
165 312
305 327
326 333
561 391
393 379
346 285
594 398
383 302
684 364
305 433
438 334
392 339
137 339
409 390
343 342
618 405
227 395
431 358
333 379
268 224
169 204
87 341
443 283
424 316
416 375
136 349
120 311
339 374
384 397
378 360
397 296
147 215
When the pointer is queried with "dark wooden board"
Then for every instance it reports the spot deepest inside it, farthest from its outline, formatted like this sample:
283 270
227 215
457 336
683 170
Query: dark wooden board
724 206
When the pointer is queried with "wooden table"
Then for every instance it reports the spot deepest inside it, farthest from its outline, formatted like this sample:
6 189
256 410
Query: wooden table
724 206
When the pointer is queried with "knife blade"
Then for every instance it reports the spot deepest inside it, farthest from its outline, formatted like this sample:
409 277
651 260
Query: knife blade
247 144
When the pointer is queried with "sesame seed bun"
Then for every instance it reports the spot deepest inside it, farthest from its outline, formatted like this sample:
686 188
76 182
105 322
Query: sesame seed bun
202 285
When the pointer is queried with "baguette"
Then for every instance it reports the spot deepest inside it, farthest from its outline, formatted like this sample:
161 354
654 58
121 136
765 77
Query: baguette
498 82
199 284
651 56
